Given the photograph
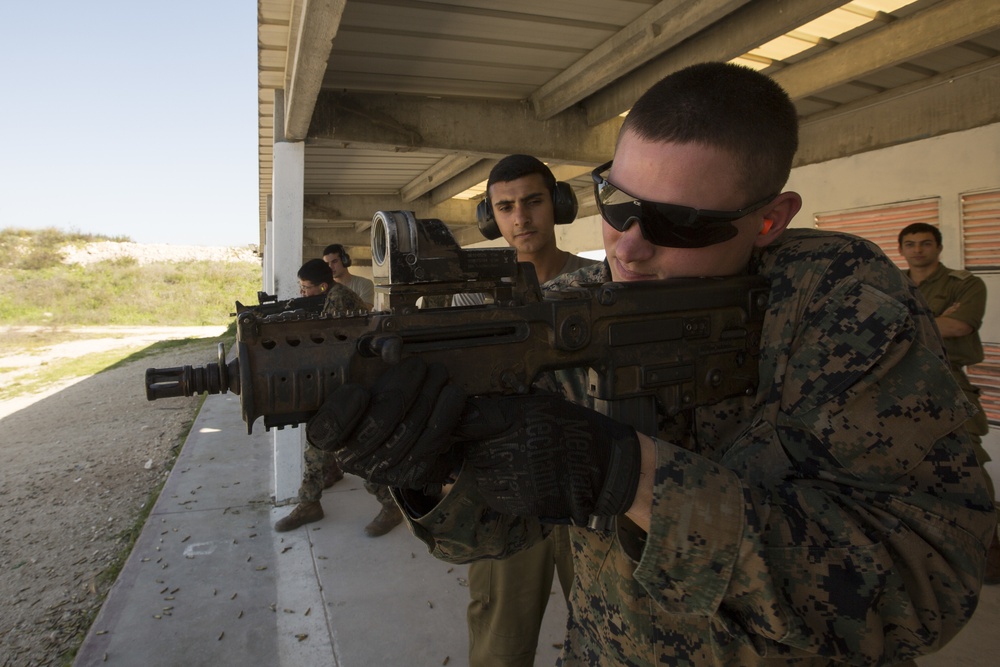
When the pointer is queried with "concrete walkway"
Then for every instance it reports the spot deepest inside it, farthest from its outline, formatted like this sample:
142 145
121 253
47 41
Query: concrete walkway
210 583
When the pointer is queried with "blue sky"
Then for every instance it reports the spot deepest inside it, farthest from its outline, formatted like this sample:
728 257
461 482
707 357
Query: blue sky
131 118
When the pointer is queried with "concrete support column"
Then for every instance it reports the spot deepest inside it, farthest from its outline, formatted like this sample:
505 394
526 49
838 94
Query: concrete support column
268 263
285 252
286 241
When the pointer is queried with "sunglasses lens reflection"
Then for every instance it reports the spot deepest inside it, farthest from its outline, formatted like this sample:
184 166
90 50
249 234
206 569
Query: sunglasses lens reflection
669 225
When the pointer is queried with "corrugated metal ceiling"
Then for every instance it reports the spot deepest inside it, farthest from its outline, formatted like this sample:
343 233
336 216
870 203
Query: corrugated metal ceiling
559 54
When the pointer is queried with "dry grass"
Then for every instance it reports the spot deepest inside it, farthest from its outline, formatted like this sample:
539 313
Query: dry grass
37 288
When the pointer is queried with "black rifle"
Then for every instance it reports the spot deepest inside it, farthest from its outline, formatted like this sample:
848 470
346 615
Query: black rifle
268 304
684 343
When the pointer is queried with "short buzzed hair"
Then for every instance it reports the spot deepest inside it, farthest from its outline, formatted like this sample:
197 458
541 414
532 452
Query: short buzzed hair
317 272
724 106
518 166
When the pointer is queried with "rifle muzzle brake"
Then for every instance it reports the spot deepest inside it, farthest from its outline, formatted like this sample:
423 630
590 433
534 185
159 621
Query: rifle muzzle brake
217 378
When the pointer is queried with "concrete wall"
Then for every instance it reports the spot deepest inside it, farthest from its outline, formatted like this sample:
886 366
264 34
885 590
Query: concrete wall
946 167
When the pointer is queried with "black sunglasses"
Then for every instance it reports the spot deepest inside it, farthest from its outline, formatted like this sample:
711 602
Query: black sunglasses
668 225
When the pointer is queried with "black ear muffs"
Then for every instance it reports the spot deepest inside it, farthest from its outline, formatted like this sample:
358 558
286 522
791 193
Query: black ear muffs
345 259
487 223
564 208
564 204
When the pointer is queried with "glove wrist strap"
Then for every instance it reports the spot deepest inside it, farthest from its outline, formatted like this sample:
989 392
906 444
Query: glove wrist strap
622 479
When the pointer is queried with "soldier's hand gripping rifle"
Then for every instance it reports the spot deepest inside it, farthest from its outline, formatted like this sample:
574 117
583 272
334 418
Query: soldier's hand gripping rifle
685 343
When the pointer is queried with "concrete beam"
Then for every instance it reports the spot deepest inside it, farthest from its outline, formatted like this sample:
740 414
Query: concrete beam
390 122
355 209
960 100
481 172
664 26
744 30
443 171
314 31
934 28
462 182
346 219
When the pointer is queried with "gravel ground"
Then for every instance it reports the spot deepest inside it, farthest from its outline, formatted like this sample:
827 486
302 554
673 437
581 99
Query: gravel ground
78 463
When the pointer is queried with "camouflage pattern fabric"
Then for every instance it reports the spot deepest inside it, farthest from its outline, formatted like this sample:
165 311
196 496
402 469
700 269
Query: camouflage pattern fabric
382 493
315 464
837 516
339 300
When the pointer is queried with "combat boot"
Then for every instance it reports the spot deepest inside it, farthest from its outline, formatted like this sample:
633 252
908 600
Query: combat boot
388 518
305 512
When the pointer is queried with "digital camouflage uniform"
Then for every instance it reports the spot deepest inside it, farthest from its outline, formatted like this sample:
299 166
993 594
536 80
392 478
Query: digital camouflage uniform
838 515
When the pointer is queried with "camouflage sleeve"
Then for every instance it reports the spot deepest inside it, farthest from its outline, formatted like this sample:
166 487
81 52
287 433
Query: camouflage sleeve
461 528
341 300
850 520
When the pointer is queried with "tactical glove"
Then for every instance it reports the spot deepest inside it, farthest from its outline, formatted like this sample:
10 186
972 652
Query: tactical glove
398 432
540 455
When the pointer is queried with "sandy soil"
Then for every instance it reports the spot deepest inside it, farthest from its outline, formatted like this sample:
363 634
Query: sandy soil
78 462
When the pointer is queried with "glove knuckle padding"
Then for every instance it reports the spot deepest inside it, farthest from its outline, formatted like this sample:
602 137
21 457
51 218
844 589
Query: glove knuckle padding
539 455
442 421
394 395
424 458
401 435
378 423
410 418
337 417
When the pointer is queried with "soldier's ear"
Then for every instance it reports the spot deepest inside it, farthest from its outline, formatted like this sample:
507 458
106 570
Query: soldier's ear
777 216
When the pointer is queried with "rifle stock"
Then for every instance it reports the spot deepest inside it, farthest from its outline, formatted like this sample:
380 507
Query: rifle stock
683 343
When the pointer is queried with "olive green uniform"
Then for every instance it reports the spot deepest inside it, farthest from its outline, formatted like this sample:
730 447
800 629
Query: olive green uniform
941 290
509 596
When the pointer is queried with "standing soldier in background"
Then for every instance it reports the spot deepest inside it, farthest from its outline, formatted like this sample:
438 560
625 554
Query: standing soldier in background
336 257
957 298
321 470
339 261
523 203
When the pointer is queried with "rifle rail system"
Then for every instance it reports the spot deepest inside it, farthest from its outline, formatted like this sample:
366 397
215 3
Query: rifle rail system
684 343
